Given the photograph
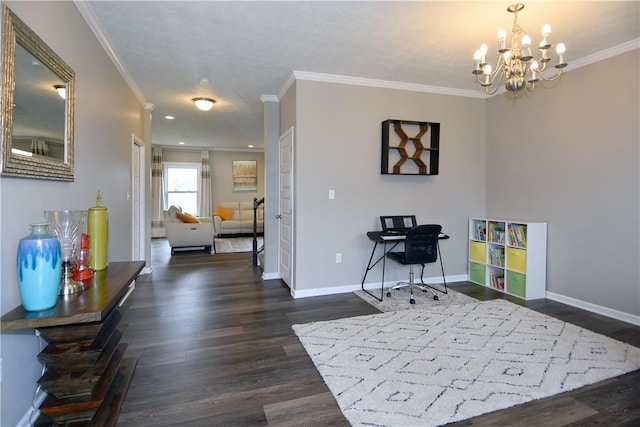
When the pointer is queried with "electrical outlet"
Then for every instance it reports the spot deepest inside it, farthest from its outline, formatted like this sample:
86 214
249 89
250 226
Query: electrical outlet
338 258
332 194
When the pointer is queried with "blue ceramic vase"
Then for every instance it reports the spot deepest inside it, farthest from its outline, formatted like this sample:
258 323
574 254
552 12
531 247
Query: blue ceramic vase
39 268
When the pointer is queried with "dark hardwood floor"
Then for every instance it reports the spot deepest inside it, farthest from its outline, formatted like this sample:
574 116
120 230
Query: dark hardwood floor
215 348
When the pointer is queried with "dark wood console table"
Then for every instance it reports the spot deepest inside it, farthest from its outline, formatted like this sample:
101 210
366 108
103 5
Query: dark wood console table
87 375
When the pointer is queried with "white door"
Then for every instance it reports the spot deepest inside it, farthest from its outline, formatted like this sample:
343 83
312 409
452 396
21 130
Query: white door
286 215
137 199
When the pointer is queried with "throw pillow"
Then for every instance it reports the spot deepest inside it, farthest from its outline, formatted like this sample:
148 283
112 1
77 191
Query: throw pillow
188 218
173 213
224 213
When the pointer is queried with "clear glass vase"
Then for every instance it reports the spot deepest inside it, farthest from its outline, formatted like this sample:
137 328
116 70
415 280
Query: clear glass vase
68 226
39 268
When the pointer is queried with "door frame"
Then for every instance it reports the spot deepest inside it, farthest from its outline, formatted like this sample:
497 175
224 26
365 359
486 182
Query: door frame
138 196
288 134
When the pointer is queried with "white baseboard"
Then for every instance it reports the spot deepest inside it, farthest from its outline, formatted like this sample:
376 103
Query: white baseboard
305 293
270 276
614 314
146 270
594 308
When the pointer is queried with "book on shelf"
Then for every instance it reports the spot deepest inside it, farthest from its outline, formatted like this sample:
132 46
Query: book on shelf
496 235
480 231
496 256
517 235
497 280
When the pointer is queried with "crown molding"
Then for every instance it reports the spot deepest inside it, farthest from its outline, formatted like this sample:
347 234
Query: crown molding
287 85
604 54
87 13
385 84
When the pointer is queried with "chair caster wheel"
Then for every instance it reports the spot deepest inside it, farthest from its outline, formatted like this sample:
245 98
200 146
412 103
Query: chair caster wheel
388 294
435 298
412 301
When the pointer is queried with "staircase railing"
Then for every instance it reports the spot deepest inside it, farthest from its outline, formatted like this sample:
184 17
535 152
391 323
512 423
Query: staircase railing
256 250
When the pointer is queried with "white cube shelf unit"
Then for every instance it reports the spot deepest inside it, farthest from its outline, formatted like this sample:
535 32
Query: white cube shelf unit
509 256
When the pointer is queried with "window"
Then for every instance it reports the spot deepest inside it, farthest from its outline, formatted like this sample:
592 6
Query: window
182 186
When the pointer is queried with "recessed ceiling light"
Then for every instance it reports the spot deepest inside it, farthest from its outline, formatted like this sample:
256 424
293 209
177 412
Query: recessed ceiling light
169 117
250 146
181 143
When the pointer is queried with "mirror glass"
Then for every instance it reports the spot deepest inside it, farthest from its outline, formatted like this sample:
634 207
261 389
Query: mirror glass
37 115
38 109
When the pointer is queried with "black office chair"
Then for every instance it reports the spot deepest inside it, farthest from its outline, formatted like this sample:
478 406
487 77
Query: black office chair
420 248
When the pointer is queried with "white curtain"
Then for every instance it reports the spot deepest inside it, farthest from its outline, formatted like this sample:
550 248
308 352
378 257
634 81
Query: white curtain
206 208
157 194
39 146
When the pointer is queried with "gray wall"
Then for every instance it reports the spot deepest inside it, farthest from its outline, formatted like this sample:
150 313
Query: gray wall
338 146
221 171
288 108
570 156
221 162
106 115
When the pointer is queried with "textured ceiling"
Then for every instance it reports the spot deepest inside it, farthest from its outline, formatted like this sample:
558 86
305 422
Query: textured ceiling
250 49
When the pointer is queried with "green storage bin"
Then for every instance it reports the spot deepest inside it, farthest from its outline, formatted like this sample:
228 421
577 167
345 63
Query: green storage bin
476 273
516 284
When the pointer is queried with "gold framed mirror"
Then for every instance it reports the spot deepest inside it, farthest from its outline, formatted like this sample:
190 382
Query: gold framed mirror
37 122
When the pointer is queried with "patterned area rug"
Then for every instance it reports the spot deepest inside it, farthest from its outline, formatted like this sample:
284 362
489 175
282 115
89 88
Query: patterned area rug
235 244
399 299
432 366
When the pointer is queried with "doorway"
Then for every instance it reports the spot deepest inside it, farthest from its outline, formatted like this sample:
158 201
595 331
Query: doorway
286 215
137 197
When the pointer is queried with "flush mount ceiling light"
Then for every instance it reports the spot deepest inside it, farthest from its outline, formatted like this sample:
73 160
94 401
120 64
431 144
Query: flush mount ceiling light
62 91
203 103
516 65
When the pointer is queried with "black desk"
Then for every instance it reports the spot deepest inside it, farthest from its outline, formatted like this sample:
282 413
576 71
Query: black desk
385 239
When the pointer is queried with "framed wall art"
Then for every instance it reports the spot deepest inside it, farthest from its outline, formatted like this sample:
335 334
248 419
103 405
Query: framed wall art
245 175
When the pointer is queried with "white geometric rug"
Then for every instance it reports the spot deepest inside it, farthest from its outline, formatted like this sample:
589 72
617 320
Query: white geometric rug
235 244
399 299
447 363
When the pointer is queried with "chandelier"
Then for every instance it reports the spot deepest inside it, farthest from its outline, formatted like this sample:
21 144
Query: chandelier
516 65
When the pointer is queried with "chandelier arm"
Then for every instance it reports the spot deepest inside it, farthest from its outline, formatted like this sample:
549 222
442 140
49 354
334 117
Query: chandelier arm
542 66
551 78
491 92
530 86
494 74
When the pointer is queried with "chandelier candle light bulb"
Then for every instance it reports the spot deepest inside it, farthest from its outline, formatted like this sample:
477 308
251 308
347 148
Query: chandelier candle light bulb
487 75
516 66
477 57
560 50
546 32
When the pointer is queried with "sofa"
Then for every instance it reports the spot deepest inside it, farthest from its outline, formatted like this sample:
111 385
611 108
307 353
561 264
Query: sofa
187 231
232 219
